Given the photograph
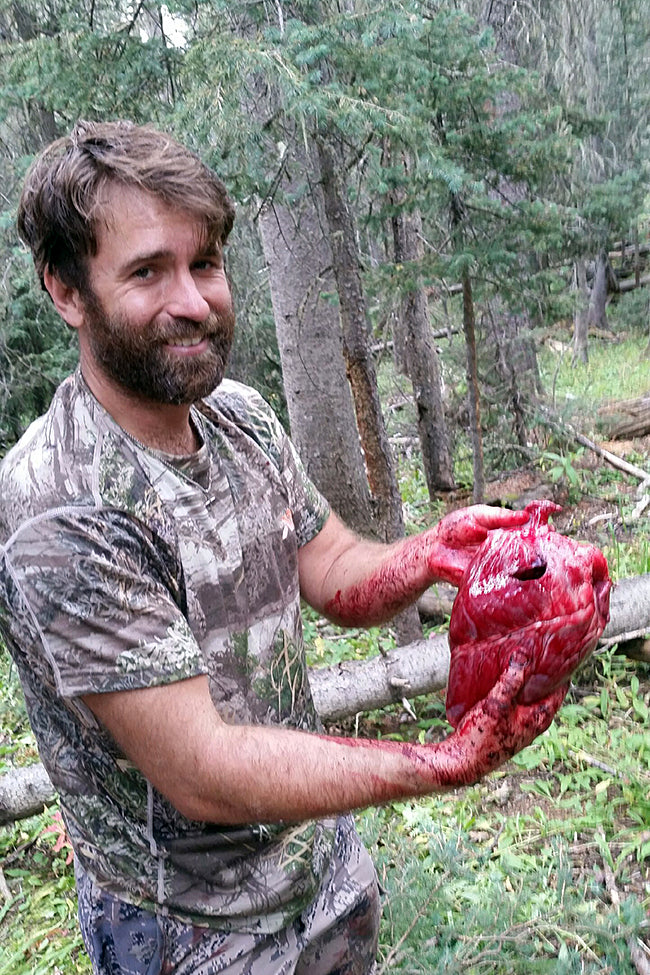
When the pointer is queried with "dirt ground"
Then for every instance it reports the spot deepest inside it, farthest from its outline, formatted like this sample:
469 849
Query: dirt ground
593 518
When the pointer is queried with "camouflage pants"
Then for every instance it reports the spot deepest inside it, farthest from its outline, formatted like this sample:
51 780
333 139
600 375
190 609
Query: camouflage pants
122 939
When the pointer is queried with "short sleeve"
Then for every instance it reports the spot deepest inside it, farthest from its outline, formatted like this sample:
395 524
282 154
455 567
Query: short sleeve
100 598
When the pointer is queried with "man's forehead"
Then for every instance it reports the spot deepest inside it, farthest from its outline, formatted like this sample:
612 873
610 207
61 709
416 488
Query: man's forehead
128 209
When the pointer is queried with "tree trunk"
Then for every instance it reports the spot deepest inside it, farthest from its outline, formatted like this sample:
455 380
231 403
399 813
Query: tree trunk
597 312
361 685
356 345
360 366
422 363
41 128
473 395
469 328
580 317
320 405
515 358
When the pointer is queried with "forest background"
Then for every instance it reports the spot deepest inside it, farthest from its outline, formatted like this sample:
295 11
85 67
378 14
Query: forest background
441 208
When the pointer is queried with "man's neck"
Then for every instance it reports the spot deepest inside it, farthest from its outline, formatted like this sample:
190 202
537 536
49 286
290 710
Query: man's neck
161 426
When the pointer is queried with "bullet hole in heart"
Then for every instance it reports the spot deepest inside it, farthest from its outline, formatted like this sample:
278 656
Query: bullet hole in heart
535 570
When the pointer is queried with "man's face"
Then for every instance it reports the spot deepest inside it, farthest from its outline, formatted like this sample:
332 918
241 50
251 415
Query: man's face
158 316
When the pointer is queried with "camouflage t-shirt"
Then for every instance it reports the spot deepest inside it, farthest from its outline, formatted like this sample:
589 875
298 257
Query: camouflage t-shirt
122 567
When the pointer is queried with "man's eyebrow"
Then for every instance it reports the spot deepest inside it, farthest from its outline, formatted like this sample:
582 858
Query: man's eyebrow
211 249
147 257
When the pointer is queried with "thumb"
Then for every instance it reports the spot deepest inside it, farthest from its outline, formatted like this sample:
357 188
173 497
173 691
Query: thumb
511 682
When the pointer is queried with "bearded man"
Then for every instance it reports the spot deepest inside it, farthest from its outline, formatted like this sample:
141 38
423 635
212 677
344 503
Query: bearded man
157 534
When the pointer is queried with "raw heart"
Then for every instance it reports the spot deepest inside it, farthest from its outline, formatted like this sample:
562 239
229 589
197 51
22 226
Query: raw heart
530 589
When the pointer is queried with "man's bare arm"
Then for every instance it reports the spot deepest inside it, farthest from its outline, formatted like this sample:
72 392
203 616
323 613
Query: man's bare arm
230 774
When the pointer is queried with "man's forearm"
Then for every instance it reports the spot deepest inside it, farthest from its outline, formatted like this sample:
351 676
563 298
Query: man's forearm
261 774
361 583
233 774
396 576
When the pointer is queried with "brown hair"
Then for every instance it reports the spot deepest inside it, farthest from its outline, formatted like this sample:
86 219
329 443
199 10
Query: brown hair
61 202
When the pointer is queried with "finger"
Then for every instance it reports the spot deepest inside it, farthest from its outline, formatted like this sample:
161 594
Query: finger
513 678
548 708
532 720
491 517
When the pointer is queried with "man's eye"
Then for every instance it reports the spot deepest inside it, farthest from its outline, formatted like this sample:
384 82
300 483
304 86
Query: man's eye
143 273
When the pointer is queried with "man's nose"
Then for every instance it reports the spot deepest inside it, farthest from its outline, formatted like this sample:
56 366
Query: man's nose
185 299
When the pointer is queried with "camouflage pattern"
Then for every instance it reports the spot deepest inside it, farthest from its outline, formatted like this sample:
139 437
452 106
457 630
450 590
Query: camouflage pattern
122 938
122 567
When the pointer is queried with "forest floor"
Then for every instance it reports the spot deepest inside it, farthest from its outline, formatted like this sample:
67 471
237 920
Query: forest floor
564 788
590 517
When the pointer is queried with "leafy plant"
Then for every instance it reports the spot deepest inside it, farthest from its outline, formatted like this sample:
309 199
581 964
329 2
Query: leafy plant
39 932
561 470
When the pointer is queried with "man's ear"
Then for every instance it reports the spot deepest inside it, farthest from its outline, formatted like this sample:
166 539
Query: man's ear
67 300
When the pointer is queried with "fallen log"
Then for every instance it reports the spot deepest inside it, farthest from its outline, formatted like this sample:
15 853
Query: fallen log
24 792
628 418
629 284
354 686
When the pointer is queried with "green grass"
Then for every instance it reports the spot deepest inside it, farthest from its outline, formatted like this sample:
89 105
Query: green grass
614 371
618 367
507 876
39 933
545 867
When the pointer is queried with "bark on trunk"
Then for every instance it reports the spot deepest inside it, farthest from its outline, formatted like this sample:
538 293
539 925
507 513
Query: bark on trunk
320 405
515 359
361 685
357 346
423 367
580 317
473 394
597 313
457 209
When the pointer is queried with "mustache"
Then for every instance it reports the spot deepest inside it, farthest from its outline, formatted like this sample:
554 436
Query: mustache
178 328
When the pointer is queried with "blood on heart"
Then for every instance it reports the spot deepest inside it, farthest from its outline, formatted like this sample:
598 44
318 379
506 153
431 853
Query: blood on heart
529 590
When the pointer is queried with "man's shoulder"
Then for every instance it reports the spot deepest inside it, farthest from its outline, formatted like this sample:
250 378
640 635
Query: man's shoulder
51 465
44 441
242 406
239 399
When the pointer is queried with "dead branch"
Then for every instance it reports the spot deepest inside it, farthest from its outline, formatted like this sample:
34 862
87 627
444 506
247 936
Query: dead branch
612 459
622 465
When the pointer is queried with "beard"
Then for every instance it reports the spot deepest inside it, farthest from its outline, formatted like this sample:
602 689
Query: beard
137 360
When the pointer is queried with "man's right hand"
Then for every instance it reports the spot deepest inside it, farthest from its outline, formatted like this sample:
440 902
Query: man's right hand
496 728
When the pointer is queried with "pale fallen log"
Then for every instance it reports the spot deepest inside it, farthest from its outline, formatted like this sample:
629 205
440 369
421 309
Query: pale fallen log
364 685
361 685
629 284
629 611
24 792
